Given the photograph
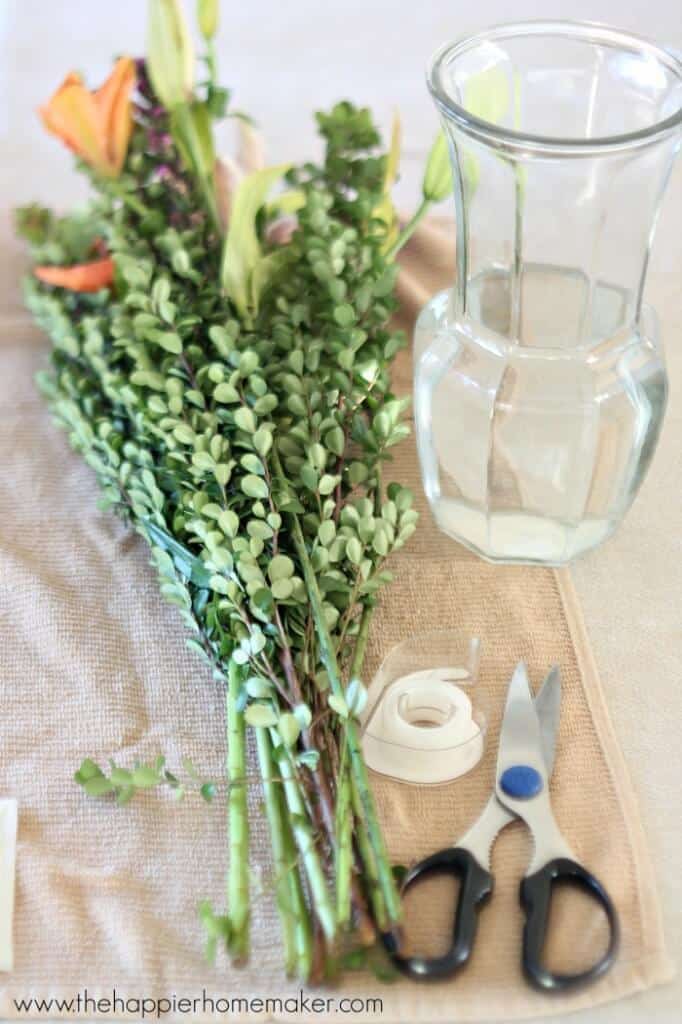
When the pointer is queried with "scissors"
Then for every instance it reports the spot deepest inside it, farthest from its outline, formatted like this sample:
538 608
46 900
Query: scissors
524 764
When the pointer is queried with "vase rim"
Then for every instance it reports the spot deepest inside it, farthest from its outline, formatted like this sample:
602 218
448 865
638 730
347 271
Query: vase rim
525 142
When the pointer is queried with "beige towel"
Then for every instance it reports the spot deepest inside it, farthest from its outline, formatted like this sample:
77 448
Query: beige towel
94 664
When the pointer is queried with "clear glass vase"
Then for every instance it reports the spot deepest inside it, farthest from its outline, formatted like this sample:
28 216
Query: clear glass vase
540 384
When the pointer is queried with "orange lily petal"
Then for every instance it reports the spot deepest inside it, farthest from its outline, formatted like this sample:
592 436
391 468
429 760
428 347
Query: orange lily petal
81 277
115 110
72 115
95 125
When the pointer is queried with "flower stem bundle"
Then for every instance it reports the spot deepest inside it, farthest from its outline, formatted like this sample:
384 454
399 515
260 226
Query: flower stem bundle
232 395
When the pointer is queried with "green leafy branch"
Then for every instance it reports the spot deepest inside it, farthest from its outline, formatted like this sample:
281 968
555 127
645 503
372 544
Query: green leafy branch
125 783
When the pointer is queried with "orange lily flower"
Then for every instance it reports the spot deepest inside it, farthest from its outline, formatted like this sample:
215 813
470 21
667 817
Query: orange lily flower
95 125
81 277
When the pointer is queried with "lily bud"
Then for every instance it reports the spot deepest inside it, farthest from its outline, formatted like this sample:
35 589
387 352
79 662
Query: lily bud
207 15
437 183
170 55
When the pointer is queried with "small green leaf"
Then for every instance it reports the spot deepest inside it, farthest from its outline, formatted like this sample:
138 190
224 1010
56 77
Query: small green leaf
281 568
252 464
327 483
169 341
262 441
226 393
208 791
204 461
260 716
326 532
289 729
228 521
357 473
335 440
310 477
144 777
344 314
309 759
338 705
257 640
88 770
184 434
98 786
258 687
254 486
282 589
120 776
356 697
245 419
380 542
303 715
354 551
219 584
222 472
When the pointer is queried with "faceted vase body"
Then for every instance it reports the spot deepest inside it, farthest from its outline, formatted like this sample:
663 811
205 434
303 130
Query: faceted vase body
540 385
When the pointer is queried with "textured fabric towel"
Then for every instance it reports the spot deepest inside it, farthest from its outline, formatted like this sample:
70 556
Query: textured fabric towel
94 664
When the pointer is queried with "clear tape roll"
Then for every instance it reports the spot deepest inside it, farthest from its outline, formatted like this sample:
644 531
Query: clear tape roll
423 727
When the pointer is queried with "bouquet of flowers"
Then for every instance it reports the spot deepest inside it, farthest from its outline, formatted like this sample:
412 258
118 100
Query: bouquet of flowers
221 359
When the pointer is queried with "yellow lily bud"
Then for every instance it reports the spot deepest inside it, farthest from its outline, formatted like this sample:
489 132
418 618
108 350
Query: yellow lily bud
170 54
207 15
385 211
437 183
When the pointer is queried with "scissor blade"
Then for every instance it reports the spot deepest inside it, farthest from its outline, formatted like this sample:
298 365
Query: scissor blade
520 737
548 708
495 816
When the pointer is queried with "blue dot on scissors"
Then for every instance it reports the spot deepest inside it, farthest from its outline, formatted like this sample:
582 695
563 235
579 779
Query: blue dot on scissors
521 781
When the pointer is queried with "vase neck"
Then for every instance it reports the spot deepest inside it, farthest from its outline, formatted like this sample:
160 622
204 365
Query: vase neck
562 138
554 253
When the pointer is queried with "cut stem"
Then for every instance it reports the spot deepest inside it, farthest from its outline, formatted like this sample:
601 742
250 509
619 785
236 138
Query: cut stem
370 878
300 912
328 656
273 810
361 641
304 838
344 844
238 821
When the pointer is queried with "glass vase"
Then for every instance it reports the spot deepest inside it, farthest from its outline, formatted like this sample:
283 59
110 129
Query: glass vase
540 385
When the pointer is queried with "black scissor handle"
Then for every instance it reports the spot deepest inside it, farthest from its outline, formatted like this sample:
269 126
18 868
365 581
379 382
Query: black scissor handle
536 898
476 884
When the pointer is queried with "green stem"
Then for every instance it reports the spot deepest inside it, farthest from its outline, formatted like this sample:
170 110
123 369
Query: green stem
344 844
361 641
409 228
238 821
196 146
273 810
328 656
368 610
303 934
211 63
304 837
371 879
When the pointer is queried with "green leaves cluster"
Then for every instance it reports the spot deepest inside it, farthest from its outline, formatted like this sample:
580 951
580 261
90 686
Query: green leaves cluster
223 423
